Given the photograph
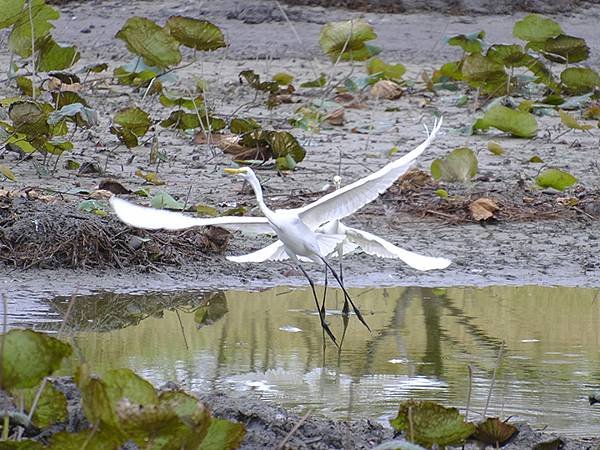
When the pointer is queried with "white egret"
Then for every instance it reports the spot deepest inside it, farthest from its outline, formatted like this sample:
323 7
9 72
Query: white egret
295 228
354 240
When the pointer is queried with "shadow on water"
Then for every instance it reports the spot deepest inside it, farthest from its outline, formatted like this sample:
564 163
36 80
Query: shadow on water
269 344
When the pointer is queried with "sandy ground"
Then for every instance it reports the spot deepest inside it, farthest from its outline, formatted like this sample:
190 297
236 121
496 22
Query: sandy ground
547 252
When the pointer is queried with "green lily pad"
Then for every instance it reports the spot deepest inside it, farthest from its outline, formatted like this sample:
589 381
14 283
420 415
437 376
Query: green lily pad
132 123
566 49
346 40
459 165
283 78
29 356
95 400
134 119
285 145
493 431
428 423
536 28
55 56
195 33
555 178
29 118
535 159
376 66
91 439
125 384
150 41
580 80
470 43
243 126
163 200
223 435
11 11
482 72
571 122
51 407
189 103
20 37
517 123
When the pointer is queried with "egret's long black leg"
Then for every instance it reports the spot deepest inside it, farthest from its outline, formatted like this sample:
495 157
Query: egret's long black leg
346 295
323 323
345 321
324 294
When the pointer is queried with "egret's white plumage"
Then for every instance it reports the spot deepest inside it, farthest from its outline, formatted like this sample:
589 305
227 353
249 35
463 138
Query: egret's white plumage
154 219
296 228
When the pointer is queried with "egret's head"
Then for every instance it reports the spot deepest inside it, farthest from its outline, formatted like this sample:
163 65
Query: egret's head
337 181
244 172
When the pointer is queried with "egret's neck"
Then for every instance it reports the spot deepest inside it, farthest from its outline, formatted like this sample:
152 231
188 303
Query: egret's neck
259 196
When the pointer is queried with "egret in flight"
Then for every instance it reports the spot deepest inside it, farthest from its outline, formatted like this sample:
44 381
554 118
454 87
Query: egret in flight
295 228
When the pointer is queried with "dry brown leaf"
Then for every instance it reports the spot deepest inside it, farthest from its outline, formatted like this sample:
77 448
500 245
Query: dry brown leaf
54 84
357 105
386 89
229 144
33 194
336 117
344 97
100 194
483 208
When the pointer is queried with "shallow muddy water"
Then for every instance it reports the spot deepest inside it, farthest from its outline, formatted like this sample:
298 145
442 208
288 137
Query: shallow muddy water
269 345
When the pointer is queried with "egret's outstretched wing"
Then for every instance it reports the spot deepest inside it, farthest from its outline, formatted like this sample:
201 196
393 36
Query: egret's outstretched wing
272 252
153 219
350 198
374 245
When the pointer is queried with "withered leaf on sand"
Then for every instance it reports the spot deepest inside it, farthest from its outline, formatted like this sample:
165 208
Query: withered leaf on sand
483 209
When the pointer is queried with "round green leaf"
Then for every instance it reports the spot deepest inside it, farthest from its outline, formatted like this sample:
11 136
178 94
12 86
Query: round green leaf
150 41
29 356
566 49
125 384
428 423
346 40
536 28
460 165
470 43
386 71
518 123
51 407
283 78
133 119
195 33
224 435
20 37
284 144
163 200
482 72
580 80
555 178
29 118
55 56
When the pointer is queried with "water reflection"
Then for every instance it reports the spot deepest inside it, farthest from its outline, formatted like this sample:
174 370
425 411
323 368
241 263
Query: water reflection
270 344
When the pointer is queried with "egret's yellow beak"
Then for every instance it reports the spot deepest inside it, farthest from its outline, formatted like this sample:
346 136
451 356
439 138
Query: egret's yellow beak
232 171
